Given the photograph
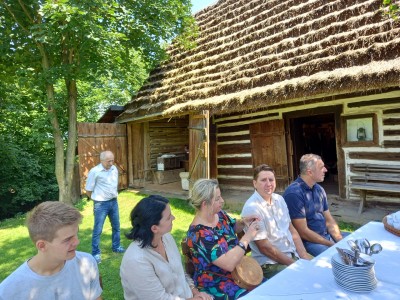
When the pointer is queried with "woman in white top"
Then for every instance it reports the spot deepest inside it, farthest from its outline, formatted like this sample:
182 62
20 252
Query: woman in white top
151 267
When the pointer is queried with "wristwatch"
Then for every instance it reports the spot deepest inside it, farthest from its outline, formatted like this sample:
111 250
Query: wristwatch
241 245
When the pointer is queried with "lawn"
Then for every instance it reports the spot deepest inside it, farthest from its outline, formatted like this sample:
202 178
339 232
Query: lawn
16 245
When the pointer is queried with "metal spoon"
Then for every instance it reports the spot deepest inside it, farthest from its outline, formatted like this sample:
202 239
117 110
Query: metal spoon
356 257
353 245
366 245
375 249
360 245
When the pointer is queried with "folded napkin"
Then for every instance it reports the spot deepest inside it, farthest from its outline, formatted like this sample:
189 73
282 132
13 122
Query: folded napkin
394 220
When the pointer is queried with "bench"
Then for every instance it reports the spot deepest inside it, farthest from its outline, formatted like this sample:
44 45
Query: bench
374 177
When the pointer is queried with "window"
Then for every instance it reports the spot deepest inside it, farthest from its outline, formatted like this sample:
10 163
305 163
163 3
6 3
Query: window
360 130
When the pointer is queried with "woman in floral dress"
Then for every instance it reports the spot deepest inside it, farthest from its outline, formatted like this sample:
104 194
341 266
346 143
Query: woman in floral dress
213 243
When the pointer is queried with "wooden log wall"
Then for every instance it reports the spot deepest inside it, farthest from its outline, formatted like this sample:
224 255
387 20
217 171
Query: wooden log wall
386 152
234 161
167 136
234 150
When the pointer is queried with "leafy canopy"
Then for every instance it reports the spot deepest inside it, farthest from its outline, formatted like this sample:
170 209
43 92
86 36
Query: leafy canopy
61 61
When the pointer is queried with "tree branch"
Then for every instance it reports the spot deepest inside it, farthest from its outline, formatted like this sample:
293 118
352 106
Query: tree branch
14 17
25 11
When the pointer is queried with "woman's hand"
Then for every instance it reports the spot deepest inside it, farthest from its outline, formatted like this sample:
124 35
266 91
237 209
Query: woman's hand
253 228
250 219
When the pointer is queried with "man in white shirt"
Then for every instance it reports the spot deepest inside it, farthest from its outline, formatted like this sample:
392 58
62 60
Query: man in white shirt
102 188
277 243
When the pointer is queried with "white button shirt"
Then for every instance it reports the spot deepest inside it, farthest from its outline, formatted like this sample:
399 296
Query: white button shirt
274 225
102 183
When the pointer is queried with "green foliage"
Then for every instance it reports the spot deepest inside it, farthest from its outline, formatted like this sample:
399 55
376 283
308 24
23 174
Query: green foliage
68 60
391 8
25 181
27 176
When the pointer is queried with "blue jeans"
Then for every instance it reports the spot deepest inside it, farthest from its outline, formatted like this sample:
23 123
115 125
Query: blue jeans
316 249
101 210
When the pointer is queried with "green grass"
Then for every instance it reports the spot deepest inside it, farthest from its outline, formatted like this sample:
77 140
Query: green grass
345 226
16 246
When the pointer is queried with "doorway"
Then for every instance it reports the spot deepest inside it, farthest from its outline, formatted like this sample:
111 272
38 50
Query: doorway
316 134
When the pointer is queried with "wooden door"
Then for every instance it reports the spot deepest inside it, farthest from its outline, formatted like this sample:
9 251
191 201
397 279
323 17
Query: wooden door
93 138
268 146
198 147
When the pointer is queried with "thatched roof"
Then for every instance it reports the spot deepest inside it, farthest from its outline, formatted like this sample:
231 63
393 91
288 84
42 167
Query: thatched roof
252 54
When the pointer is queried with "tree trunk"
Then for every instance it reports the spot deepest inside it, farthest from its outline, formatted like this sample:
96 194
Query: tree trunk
64 174
72 140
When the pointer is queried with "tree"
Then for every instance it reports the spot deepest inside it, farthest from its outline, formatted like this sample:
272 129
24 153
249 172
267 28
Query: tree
27 176
79 41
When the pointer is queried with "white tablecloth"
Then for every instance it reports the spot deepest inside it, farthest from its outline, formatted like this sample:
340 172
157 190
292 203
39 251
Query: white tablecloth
309 280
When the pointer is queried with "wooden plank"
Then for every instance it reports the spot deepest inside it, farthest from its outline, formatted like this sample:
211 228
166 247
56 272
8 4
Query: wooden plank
97 137
391 144
382 156
376 187
376 177
235 182
166 136
391 121
235 161
234 149
268 146
374 168
233 138
236 171
229 129
198 148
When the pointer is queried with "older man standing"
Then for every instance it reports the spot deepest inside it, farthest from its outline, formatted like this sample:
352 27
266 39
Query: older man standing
308 207
102 188
277 243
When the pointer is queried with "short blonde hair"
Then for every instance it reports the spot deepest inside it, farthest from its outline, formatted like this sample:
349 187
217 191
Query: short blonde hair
203 191
48 217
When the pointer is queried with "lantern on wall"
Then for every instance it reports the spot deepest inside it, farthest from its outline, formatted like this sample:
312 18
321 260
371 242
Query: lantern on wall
361 132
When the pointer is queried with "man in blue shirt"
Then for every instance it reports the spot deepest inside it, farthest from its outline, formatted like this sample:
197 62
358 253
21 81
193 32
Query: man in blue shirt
308 207
102 188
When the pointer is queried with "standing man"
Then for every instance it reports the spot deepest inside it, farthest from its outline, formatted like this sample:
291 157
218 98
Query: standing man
308 207
277 243
102 188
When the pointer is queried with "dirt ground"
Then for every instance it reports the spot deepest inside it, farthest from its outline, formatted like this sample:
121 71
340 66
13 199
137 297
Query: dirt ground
342 210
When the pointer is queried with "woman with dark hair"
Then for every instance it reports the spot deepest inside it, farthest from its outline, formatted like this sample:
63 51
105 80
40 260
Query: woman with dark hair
151 267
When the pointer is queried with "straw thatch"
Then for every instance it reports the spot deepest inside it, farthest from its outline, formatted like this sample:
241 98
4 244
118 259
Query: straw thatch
252 54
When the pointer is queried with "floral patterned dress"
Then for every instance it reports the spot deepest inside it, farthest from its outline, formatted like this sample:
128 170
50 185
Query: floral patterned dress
206 245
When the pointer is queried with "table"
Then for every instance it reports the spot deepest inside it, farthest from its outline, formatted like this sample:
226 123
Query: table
309 280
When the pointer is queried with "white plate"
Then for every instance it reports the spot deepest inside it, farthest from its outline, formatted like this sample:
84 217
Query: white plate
357 282
357 288
354 279
337 260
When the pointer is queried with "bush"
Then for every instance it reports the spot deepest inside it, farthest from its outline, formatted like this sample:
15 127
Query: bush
26 178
